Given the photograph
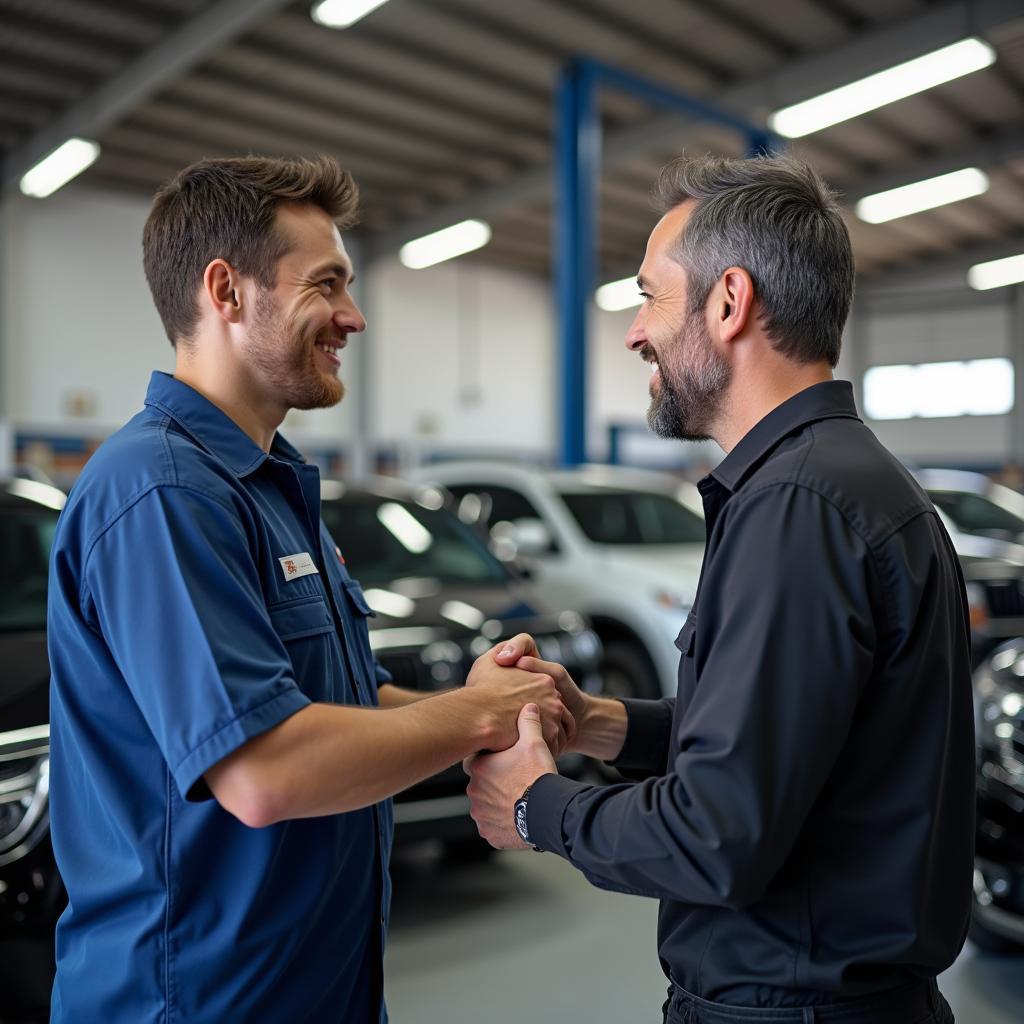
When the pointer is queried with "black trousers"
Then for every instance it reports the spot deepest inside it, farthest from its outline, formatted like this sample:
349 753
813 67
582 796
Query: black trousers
919 1003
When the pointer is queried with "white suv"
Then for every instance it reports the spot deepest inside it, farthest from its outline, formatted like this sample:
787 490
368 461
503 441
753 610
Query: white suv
622 546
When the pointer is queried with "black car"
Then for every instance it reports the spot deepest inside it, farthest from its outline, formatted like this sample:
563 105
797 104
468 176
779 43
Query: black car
31 893
441 600
997 921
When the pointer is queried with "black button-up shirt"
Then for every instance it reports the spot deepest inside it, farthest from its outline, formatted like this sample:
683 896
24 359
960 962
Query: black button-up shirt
805 809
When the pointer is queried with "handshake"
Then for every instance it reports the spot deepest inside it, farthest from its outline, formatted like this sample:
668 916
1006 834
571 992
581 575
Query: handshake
540 713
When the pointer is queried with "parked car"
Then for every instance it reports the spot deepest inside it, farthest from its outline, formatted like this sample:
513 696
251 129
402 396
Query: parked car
997 921
31 893
622 546
977 505
441 600
994 574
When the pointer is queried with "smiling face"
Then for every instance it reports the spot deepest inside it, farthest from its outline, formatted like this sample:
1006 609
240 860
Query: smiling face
300 326
689 376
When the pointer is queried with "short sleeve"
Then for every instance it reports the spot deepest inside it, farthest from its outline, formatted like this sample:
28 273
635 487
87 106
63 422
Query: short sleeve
174 590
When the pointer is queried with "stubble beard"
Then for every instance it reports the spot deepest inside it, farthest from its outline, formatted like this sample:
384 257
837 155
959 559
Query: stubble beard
285 357
690 396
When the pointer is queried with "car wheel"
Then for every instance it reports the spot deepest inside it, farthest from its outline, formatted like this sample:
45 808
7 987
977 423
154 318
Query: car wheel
626 671
989 941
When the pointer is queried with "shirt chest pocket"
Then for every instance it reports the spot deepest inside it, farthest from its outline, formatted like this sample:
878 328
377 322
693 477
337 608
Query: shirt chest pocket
300 618
305 625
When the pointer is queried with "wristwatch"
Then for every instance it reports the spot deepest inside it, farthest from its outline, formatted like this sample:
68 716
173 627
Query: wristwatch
519 813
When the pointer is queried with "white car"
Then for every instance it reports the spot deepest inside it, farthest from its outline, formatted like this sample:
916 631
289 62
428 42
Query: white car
621 546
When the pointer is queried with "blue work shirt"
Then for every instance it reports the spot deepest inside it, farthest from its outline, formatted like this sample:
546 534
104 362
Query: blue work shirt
196 601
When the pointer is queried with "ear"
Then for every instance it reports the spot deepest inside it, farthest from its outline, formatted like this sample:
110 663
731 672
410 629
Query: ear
221 288
733 308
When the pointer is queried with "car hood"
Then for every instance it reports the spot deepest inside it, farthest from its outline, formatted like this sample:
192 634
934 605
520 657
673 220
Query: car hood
454 611
675 565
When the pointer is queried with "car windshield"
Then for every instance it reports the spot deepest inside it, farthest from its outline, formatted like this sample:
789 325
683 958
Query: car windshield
26 536
974 513
384 539
634 517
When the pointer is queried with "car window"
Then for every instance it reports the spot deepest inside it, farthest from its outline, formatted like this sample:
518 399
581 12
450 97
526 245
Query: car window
505 504
26 536
974 513
634 517
384 539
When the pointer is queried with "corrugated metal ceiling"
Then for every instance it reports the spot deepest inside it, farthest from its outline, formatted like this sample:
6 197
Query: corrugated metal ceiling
432 102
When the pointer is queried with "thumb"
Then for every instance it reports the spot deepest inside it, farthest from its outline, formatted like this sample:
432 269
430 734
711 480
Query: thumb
529 724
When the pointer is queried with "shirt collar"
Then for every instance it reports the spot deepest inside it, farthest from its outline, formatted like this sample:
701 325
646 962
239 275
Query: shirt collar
831 399
211 427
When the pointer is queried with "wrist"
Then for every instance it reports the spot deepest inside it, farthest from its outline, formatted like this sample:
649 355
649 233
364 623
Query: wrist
601 728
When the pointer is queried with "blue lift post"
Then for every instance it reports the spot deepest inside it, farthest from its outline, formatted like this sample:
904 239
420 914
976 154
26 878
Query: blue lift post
578 165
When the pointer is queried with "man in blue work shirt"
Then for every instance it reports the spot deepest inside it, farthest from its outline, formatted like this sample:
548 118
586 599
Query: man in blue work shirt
220 765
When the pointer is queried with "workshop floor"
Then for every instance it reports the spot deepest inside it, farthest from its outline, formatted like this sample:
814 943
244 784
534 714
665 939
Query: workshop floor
524 938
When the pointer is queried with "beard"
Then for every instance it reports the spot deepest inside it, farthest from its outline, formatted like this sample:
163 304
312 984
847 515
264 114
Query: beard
693 381
284 355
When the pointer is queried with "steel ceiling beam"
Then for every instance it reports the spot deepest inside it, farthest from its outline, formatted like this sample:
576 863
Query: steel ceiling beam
937 270
181 50
800 79
992 151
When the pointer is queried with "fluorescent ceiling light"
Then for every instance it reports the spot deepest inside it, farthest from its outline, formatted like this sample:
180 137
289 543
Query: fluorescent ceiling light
57 169
996 273
922 195
445 244
618 295
877 90
342 13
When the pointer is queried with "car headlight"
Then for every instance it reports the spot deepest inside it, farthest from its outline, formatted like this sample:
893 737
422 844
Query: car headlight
999 710
24 791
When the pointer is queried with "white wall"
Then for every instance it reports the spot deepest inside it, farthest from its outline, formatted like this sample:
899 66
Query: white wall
462 358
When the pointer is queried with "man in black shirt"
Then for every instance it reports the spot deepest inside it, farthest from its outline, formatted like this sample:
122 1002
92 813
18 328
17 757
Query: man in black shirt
803 808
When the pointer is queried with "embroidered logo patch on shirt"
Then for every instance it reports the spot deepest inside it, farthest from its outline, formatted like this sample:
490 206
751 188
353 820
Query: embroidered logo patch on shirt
294 566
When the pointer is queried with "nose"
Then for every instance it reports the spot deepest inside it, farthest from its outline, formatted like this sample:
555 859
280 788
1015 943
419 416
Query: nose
348 318
636 336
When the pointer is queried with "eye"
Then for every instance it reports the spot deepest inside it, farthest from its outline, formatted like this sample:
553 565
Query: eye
645 295
327 284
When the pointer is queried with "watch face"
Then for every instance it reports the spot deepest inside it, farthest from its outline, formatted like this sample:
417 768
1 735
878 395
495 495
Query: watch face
520 812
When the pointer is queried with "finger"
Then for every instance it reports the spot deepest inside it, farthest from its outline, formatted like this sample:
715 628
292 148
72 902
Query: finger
530 728
530 663
509 652
467 764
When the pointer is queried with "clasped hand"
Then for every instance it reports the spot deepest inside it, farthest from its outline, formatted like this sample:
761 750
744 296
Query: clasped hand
497 780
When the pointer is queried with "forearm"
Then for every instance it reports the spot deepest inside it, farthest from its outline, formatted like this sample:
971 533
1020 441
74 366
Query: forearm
392 696
328 759
601 731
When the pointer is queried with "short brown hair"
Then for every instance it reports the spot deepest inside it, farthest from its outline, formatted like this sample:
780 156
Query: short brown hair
774 217
225 209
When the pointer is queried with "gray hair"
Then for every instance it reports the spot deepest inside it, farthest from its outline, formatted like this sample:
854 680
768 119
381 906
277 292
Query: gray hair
778 220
